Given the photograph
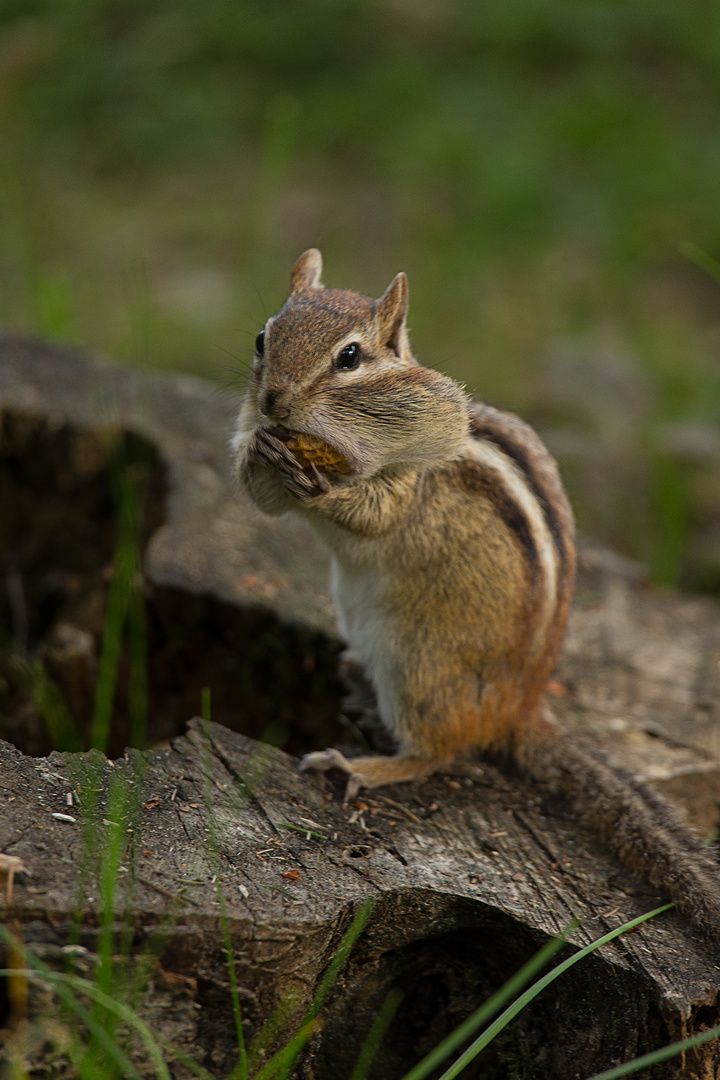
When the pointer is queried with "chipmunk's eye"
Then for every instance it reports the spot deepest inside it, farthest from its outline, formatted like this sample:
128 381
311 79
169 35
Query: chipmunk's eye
349 358
260 343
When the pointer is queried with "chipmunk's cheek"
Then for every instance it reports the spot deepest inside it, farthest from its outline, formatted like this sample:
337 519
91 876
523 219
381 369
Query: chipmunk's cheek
358 455
364 459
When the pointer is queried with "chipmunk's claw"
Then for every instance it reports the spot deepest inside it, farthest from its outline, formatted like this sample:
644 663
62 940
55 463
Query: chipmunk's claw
324 760
269 450
319 479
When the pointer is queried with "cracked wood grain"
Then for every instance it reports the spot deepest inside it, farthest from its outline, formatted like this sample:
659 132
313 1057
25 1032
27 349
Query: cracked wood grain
435 880
469 878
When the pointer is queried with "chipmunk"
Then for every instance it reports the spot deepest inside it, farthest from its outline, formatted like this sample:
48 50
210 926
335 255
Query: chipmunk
453 561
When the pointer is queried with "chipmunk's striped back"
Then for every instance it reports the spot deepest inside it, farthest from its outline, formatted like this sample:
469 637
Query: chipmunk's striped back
454 559
514 470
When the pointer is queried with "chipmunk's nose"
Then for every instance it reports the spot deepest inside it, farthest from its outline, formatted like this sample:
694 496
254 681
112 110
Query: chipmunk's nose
275 405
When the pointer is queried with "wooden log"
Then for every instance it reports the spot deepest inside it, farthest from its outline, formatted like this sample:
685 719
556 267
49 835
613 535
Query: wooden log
470 871
470 874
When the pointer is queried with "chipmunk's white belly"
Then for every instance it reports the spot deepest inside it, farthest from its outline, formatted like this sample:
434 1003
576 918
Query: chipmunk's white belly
359 595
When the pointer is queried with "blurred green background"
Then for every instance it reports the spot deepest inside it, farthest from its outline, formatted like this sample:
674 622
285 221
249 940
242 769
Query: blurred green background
548 173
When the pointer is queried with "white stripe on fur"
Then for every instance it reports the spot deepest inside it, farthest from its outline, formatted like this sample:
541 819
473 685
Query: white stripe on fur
511 479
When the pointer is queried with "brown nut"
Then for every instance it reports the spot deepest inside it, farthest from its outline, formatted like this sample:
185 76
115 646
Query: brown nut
308 449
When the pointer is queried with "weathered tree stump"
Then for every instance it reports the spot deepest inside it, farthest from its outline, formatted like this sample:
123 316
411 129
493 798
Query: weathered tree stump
471 871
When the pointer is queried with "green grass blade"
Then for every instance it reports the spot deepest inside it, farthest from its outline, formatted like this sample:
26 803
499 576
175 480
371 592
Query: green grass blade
356 928
51 705
517 1006
270 1031
377 1033
118 602
65 983
138 660
702 258
71 1003
655 1056
122 806
190 1064
117 605
55 310
490 1007
123 1011
206 704
280 1065
111 853
240 1072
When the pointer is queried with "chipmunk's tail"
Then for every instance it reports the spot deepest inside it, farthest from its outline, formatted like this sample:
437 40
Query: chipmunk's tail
639 825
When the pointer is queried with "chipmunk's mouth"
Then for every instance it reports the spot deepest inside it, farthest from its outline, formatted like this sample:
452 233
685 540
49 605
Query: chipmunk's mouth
311 450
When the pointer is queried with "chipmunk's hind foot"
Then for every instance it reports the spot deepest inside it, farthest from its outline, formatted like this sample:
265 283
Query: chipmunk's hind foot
368 772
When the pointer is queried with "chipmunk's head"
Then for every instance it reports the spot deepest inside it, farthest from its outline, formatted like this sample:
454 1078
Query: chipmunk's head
338 365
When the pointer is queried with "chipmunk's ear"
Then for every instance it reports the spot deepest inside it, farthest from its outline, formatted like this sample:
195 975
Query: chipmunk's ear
391 314
306 272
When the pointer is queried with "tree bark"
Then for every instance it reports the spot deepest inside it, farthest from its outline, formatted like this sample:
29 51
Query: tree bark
470 872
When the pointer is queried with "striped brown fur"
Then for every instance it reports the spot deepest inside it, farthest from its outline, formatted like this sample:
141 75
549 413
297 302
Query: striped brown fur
520 443
453 562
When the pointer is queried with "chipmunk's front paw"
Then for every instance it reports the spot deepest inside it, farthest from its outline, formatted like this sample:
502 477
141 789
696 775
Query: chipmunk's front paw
302 482
323 760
